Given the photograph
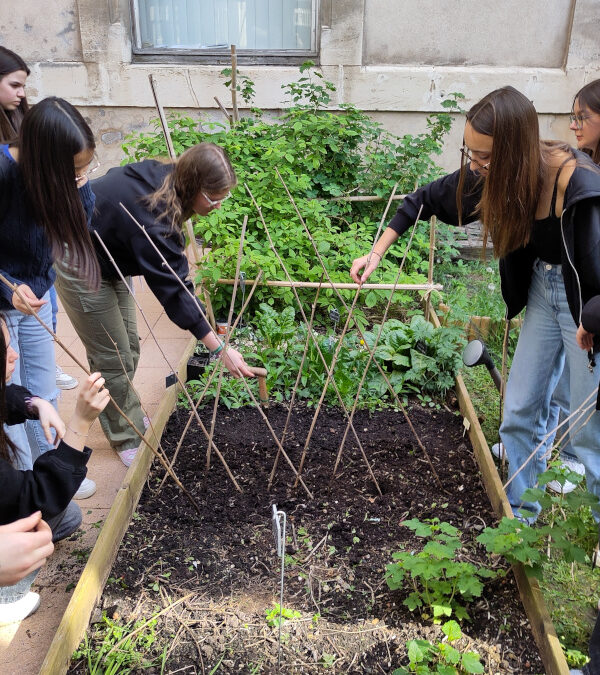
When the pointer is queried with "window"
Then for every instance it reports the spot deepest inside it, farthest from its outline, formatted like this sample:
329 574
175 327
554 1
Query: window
206 28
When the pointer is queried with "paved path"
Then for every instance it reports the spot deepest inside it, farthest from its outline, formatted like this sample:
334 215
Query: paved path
23 646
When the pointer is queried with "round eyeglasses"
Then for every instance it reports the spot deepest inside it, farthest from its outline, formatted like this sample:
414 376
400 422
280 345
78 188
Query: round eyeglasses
92 168
214 202
578 120
464 151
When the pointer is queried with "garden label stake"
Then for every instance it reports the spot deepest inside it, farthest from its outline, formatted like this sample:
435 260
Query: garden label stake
293 397
278 522
67 351
227 337
359 329
315 341
223 461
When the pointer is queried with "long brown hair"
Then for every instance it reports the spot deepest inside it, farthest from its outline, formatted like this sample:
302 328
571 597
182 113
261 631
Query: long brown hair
515 178
7 447
589 97
203 167
52 133
10 120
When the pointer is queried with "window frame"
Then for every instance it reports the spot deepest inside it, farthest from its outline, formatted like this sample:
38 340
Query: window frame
223 55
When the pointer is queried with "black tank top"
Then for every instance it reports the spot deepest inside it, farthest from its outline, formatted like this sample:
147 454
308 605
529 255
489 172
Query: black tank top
545 233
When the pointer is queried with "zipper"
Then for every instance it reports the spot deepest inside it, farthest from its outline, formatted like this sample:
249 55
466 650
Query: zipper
562 234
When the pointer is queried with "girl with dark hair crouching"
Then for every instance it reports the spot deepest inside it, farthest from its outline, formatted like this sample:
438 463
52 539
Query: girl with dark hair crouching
54 478
161 197
45 204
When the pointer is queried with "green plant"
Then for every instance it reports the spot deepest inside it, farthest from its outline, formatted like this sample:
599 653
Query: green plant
277 613
320 155
114 648
420 357
442 658
439 581
244 85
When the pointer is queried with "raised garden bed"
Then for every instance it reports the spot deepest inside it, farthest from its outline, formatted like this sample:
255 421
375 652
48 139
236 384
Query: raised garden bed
338 546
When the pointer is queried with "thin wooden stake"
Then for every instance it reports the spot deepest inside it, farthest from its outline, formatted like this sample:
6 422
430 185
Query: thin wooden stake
182 384
14 288
315 341
298 377
223 110
192 246
361 333
234 105
427 297
231 306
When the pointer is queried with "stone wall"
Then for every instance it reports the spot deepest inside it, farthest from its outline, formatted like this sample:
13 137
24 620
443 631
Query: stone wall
397 59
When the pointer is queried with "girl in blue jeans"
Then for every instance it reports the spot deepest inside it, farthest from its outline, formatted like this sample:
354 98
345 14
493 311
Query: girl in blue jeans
45 204
539 203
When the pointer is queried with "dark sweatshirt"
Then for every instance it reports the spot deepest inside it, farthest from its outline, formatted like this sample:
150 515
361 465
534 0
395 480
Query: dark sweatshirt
54 480
130 248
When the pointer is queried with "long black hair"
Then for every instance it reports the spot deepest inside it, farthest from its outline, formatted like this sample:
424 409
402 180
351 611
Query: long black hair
10 120
7 447
52 133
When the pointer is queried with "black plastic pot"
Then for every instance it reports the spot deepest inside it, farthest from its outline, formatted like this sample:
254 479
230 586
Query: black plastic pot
196 365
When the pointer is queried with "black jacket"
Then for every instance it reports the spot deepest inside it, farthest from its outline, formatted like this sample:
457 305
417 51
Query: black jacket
132 251
55 478
580 228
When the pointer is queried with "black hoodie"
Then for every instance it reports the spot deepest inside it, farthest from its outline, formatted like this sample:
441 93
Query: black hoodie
130 248
580 230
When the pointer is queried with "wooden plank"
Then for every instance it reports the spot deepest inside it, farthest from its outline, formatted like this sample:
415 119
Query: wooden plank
542 627
88 591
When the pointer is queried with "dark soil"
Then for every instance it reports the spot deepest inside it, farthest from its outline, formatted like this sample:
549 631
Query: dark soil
338 545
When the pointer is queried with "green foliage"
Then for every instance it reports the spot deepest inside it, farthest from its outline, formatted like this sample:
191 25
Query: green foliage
139 651
564 532
432 359
420 357
278 614
438 580
442 658
244 85
320 154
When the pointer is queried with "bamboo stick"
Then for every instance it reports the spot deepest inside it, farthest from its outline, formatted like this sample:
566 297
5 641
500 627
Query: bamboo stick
234 105
427 297
359 329
316 342
363 198
342 285
86 370
182 384
192 246
223 109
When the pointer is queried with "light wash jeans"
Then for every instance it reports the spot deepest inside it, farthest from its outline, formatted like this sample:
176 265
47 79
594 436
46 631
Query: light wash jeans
546 339
559 411
36 370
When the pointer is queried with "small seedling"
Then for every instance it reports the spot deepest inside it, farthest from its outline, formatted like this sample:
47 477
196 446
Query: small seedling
273 615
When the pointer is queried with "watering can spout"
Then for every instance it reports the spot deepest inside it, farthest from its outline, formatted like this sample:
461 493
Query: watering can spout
476 354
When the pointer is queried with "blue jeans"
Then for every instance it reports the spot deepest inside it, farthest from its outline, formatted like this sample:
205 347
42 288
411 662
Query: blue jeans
546 340
54 304
36 370
559 411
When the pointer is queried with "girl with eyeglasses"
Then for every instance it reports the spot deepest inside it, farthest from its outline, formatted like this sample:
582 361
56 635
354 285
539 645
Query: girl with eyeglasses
161 197
539 203
44 210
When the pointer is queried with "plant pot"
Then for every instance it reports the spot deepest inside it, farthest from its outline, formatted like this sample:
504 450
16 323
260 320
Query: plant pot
196 365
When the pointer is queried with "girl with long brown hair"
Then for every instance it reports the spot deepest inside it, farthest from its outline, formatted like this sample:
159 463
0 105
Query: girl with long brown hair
161 196
539 203
13 102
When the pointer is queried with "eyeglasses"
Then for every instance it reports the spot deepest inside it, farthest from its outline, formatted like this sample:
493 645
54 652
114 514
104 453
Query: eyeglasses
464 151
215 202
92 168
578 120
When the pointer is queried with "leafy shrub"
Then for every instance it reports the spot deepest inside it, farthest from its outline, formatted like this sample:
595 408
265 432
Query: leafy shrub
439 581
445 658
320 154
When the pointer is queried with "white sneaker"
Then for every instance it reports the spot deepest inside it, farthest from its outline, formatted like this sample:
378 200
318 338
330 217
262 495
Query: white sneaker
86 489
572 465
10 612
64 380
498 451
127 456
